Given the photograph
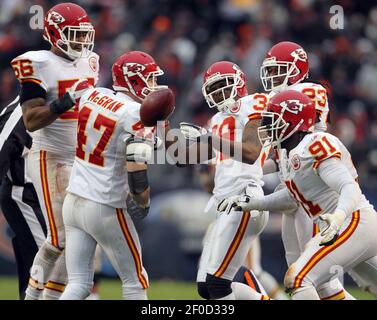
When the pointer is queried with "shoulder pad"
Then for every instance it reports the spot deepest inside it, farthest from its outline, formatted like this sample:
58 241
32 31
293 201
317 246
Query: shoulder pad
253 104
320 146
27 67
302 85
39 56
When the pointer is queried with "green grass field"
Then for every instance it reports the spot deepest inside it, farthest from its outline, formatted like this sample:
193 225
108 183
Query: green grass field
159 290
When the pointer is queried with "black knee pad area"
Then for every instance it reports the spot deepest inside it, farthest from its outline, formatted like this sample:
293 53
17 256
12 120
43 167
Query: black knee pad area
218 287
203 290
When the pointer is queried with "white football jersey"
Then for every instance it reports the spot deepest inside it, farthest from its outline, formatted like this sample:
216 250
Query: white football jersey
106 120
299 171
55 75
232 176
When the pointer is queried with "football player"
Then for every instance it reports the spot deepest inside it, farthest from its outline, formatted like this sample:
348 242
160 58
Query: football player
49 82
251 272
286 66
319 174
234 129
109 184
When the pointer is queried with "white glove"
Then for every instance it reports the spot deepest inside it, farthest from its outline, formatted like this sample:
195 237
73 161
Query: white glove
334 223
244 202
233 202
78 89
140 150
191 131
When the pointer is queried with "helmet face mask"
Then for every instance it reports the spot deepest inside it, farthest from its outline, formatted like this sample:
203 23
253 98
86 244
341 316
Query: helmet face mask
222 93
77 42
224 83
272 130
151 82
285 64
276 75
288 112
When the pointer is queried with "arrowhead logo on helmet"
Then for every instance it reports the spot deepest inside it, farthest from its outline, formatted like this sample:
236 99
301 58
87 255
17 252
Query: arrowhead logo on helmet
293 106
299 54
133 69
55 18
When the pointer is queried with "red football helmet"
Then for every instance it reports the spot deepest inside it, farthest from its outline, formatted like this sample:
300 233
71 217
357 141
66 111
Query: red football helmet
136 72
287 112
224 83
286 63
68 28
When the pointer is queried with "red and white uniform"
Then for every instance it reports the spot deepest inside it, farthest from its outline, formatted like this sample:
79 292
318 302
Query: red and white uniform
230 237
98 173
51 156
56 75
94 210
297 228
232 176
316 185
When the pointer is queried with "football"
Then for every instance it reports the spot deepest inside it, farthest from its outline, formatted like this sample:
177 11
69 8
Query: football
157 106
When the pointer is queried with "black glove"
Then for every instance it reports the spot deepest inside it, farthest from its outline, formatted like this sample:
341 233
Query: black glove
135 210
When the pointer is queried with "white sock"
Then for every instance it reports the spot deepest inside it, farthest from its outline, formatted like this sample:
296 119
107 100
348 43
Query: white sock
333 290
305 293
271 286
134 294
57 281
76 291
43 265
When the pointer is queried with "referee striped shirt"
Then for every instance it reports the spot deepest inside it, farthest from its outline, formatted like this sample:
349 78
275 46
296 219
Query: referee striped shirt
18 193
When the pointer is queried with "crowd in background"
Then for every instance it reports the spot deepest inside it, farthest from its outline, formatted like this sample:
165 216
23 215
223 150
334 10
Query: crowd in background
185 37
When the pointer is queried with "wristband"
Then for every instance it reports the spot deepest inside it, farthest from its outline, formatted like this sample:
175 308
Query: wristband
62 104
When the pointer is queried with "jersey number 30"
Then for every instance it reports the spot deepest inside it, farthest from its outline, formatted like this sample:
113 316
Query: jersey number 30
95 157
226 130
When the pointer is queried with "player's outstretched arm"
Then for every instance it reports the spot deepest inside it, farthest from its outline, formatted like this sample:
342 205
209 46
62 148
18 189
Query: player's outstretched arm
192 146
246 151
251 146
277 201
